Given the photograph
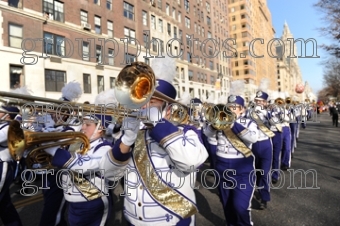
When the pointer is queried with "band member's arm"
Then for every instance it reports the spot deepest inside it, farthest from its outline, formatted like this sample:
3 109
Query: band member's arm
184 148
3 134
246 131
115 161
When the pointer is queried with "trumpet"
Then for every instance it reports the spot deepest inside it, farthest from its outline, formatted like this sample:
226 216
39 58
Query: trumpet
288 100
18 140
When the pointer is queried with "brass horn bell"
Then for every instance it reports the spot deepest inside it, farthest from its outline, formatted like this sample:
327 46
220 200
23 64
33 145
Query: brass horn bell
279 101
220 116
19 140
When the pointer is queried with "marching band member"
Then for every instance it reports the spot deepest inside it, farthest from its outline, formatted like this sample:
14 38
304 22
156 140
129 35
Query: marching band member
274 117
293 126
286 133
8 213
54 201
161 159
263 148
84 186
233 151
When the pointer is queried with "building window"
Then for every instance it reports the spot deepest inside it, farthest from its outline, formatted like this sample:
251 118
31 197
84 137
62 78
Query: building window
167 9
15 75
86 51
159 4
97 25
175 32
145 18
128 11
153 22
97 2
187 5
207 6
54 80
13 3
211 65
109 4
160 25
147 61
146 40
100 83
190 75
169 29
87 83
54 10
208 21
99 55
110 29
174 13
111 56
189 57
130 34
54 44
179 17
130 58
187 22
112 82
15 35
212 80
83 16
180 35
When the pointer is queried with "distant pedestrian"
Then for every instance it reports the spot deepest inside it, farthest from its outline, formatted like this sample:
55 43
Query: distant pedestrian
335 116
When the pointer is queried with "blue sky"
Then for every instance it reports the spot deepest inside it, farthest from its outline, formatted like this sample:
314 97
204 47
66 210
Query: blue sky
303 20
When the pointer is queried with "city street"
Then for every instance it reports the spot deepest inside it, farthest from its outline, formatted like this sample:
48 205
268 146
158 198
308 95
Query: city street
293 202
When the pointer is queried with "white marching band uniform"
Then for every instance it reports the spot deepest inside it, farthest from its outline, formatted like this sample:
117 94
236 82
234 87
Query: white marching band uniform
160 168
168 149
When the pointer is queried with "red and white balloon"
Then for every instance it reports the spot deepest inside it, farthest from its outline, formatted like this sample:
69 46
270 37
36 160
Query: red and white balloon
299 88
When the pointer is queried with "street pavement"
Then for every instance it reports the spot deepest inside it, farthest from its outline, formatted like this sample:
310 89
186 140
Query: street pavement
293 202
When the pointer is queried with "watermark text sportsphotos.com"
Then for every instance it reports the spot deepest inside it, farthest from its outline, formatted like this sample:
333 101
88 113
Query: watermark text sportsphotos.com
209 48
278 113
173 178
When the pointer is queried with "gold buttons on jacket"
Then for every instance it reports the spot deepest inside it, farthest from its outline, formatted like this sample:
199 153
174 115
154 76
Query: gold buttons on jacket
139 204
140 218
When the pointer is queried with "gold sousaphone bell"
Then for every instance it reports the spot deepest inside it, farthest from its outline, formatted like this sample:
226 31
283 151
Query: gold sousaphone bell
19 140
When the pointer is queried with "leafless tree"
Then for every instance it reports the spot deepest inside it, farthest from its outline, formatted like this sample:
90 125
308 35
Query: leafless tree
331 79
331 11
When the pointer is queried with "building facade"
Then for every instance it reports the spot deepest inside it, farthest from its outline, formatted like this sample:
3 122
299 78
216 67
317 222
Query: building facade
251 30
288 71
46 43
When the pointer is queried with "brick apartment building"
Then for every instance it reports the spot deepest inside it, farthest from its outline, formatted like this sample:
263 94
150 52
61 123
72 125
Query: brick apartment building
84 41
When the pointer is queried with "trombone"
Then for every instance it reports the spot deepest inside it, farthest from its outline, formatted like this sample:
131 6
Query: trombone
136 85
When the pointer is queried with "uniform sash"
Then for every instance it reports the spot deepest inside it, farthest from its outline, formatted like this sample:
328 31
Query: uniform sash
261 125
160 192
236 142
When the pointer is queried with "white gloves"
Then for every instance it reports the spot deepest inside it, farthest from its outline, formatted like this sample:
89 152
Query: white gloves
153 114
131 127
48 129
209 131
